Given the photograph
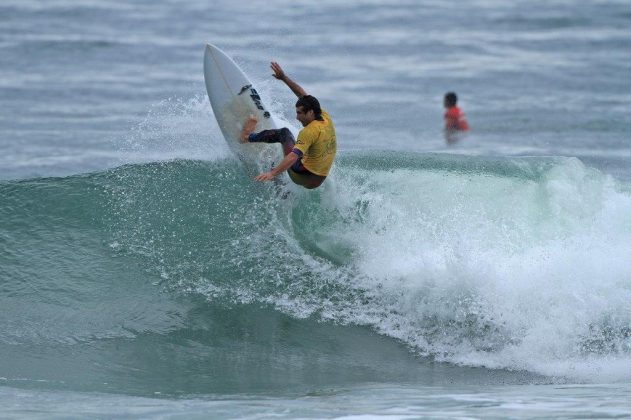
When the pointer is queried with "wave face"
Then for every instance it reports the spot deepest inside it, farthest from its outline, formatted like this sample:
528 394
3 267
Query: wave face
518 264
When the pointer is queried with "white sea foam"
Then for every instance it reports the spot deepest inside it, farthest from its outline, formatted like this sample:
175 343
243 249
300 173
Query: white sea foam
498 271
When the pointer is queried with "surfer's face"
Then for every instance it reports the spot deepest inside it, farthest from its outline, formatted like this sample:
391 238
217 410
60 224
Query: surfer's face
304 117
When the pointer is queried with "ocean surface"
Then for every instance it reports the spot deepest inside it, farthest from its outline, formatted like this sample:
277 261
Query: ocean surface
143 273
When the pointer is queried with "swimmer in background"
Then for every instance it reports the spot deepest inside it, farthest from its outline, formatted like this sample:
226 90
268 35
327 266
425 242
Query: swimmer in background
455 121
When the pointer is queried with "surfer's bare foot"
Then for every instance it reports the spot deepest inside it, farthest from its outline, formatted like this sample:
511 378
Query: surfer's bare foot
248 128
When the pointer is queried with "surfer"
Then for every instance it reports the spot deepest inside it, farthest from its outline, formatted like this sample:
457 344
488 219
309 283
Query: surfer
455 121
309 159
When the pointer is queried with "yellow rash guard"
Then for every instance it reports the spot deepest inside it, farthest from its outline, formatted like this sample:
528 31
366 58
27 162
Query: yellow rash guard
318 145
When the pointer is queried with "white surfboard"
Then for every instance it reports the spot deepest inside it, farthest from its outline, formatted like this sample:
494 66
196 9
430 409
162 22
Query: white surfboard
234 98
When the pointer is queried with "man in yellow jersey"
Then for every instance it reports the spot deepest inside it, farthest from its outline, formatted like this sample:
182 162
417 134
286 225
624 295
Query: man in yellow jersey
309 159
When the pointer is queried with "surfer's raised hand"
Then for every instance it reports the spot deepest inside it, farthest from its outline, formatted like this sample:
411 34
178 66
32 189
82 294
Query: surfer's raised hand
280 75
278 70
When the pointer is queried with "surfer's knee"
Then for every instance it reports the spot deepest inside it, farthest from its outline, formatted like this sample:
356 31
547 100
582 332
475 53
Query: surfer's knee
285 135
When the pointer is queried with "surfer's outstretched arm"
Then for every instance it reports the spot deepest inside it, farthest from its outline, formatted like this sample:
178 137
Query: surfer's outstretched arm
285 164
280 75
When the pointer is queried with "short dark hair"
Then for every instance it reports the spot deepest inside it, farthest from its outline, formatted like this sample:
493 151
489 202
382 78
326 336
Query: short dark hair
310 103
451 99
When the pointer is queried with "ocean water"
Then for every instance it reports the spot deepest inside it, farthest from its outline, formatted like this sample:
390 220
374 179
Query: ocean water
144 274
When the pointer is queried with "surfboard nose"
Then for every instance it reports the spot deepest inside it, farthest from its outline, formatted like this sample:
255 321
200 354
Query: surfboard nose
211 49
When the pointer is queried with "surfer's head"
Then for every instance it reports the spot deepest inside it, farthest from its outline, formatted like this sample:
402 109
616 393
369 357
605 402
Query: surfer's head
308 109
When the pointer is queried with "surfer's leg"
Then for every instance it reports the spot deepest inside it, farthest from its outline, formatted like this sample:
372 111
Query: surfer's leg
282 136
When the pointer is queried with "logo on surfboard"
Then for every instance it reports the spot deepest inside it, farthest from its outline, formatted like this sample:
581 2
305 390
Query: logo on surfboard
255 98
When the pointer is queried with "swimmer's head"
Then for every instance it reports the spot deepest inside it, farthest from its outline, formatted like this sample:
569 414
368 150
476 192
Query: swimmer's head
450 99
